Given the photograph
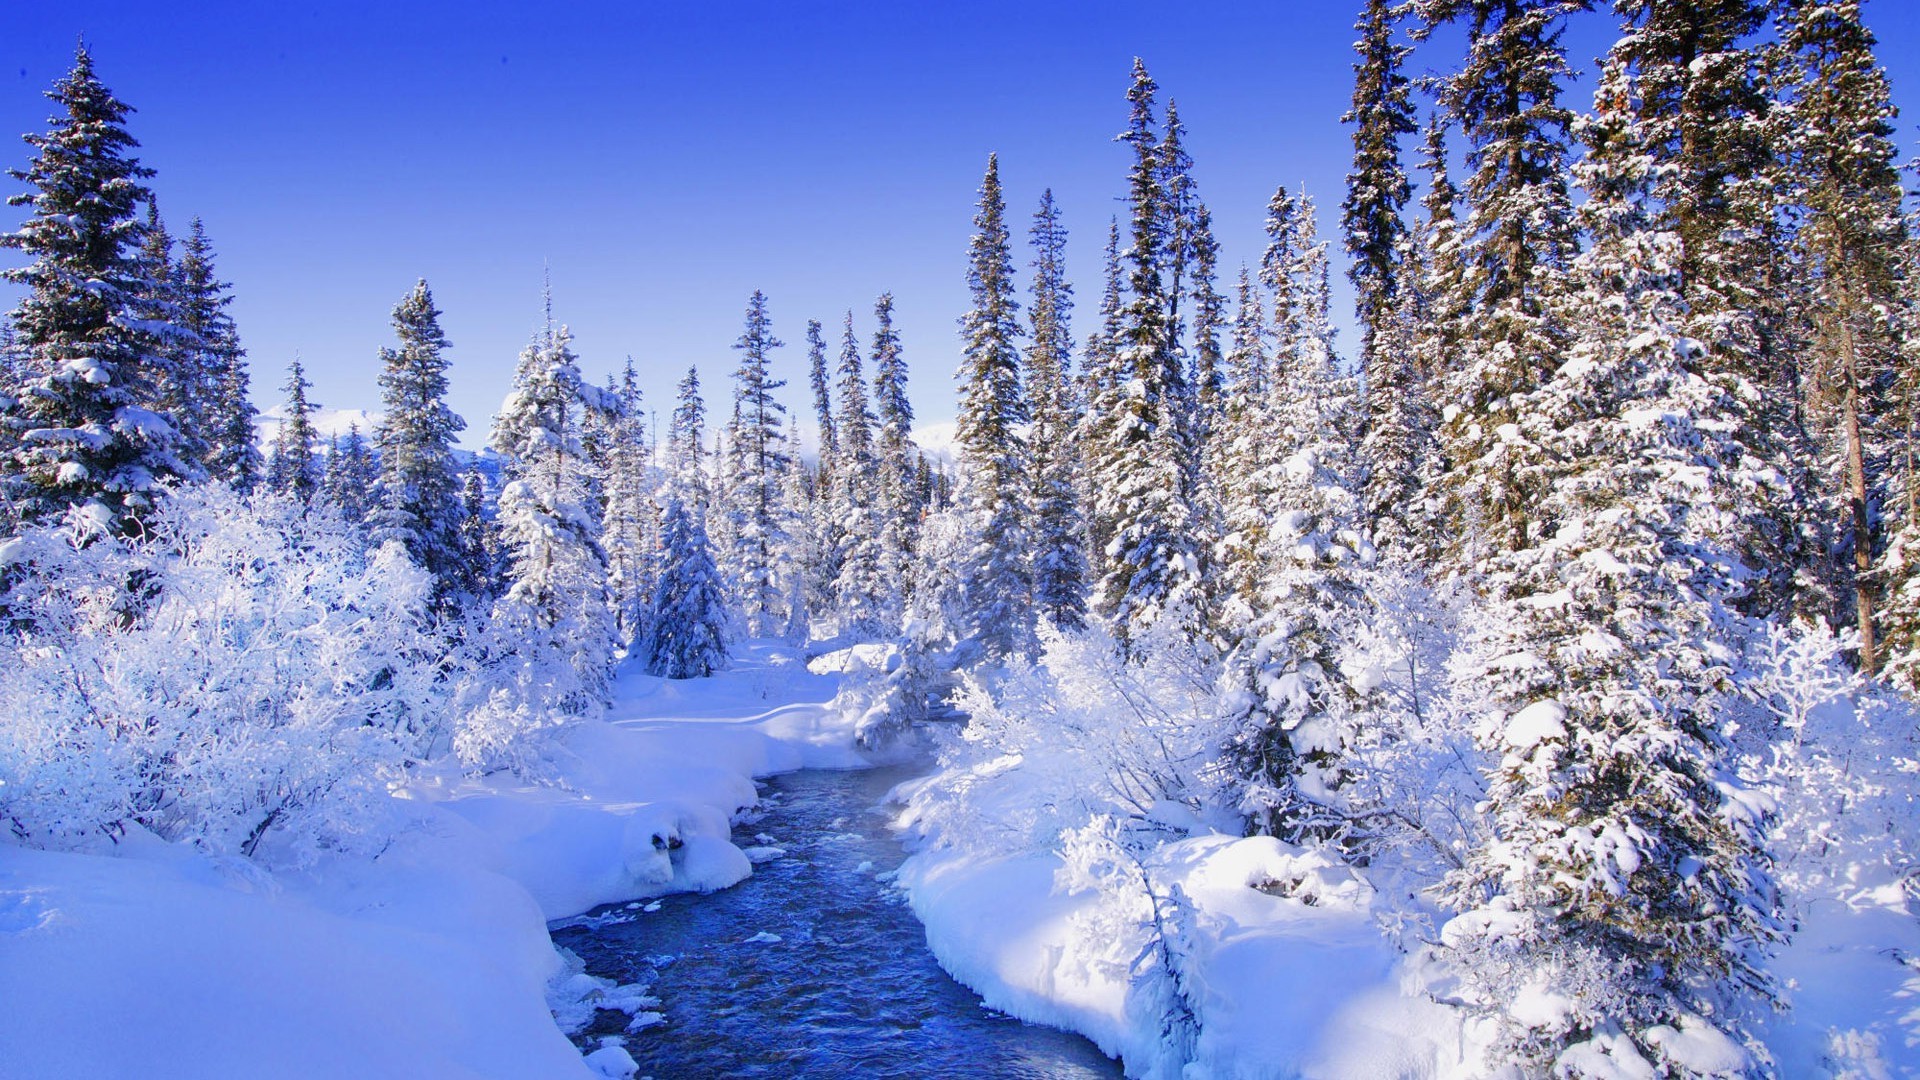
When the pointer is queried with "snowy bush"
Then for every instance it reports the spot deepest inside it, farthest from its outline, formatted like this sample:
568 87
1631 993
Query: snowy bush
1835 758
242 675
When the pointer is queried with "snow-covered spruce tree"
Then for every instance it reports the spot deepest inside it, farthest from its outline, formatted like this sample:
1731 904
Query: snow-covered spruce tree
553 632
1377 188
1618 918
824 545
1298 715
1696 84
349 479
630 530
231 453
1852 245
1100 387
1377 239
686 434
1058 532
686 630
174 353
419 487
756 498
480 564
860 591
1898 570
291 469
1515 243
897 458
81 422
996 480
1242 462
1139 469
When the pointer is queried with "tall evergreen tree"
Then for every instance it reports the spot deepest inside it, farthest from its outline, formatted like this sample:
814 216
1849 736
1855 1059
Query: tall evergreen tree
1058 531
350 477
175 352
1141 473
1377 239
1624 873
480 565
1101 383
419 487
1853 241
1516 241
291 470
825 542
1377 188
860 590
82 430
996 483
1243 459
556 610
686 435
686 629
899 497
630 529
230 452
823 394
757 502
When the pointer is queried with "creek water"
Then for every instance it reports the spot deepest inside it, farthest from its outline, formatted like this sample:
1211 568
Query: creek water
813 967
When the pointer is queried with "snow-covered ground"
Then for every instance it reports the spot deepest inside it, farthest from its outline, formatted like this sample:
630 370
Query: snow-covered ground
432 959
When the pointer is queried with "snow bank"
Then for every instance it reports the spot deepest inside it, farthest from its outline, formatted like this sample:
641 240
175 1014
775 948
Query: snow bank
431 959
1288 974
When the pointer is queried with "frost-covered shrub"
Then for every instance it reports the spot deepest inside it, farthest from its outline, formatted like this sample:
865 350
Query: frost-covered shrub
243 674
1083 732
1835 759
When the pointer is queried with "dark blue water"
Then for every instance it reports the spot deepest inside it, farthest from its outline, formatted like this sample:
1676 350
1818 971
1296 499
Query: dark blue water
848 990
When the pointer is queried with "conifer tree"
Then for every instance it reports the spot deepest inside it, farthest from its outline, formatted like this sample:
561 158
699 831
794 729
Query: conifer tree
1624 873
291 470
756 498
997 584
419 492
1377 188
1853 241
1434 300
175 352
480 569
230 452
82 427
1377 239
686 629
1243 459
556 610
349 480
859 590
1516 241
899 497
686 444
1100 386
630 530
824 544
823 395
1058 531
1204 373
1141 472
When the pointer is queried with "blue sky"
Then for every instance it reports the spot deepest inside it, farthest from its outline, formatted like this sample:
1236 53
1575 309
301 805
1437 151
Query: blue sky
665 160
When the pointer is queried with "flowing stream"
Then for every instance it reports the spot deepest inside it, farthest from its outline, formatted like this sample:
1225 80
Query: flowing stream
813 967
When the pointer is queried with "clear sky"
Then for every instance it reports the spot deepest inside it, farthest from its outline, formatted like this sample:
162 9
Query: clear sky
665 160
